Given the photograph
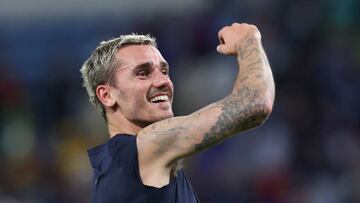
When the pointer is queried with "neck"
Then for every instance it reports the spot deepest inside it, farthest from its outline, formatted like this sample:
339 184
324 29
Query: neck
119 124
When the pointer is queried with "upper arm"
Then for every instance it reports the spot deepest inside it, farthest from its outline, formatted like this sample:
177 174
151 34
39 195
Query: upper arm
165 141
170 139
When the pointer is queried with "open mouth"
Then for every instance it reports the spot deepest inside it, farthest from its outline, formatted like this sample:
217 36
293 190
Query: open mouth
160 98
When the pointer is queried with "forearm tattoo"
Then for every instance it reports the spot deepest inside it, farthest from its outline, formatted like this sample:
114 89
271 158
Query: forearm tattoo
244 108
240 111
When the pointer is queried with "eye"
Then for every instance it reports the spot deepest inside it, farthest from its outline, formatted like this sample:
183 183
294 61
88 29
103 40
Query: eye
143 74
165 72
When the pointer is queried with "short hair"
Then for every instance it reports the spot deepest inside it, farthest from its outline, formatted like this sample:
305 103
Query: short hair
101 66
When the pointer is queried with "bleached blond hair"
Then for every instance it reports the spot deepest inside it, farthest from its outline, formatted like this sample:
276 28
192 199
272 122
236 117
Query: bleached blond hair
101 66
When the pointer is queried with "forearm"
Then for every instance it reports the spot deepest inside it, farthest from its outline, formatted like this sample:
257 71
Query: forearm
251 99
253 92
254 69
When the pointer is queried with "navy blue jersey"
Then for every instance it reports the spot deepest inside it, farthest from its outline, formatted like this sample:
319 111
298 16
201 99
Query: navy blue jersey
117 178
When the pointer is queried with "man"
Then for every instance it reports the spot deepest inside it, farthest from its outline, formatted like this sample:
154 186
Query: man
127 80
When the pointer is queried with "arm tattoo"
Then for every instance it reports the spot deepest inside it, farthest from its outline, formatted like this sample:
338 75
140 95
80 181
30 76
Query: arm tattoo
244 108
165 138
237 114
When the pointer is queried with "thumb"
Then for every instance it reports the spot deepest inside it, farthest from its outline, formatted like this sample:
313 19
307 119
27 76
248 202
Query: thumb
221 49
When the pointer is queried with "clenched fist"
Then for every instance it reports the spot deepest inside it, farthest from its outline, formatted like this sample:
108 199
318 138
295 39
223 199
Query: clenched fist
233 37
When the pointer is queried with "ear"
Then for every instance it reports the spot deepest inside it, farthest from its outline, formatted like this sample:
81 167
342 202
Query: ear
104 95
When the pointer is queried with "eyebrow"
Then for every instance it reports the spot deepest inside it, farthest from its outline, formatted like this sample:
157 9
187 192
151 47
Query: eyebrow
164 64
146 65
149 65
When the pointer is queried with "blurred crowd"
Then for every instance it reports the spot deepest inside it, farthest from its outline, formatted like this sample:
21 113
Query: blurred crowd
307 152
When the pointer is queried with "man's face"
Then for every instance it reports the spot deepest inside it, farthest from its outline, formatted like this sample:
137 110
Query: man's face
143 89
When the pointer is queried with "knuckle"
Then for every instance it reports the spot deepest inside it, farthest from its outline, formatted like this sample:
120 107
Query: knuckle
252 27
226 28
221 32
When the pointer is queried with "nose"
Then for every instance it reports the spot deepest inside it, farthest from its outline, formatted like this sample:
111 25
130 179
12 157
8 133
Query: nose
160 79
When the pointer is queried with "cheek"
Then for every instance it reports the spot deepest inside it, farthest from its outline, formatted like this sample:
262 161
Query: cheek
137 94
133 96
123 95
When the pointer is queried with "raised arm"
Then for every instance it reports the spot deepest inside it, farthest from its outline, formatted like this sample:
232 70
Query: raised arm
247 106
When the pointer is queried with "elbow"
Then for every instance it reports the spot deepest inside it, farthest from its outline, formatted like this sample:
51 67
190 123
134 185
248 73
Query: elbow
250 113
268 104
260 112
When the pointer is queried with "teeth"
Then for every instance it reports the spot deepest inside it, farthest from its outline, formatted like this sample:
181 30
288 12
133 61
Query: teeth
160 98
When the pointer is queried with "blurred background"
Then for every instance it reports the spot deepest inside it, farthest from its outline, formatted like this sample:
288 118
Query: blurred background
307 152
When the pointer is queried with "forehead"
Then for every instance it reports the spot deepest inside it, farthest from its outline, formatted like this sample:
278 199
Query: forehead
132 55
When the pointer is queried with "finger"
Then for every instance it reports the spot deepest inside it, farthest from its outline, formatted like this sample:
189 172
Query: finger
222 49
221 34
221 40
219 49
220 37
